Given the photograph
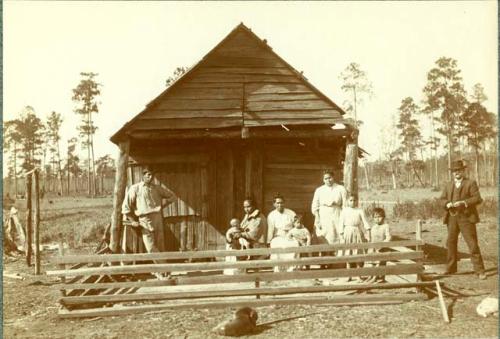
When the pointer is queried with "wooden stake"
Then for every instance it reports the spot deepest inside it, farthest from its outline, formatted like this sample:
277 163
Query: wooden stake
418 235
27 245
36 210
62 266
442 303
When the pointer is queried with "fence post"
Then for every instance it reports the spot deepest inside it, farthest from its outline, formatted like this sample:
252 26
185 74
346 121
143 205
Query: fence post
27 246
418 236
37 222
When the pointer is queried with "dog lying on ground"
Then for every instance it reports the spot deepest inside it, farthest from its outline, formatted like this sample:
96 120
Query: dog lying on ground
243 322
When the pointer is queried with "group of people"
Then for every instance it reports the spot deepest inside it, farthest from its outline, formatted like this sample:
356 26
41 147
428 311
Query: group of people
337 219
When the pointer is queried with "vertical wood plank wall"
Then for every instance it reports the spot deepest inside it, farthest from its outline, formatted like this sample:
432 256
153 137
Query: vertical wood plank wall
212 182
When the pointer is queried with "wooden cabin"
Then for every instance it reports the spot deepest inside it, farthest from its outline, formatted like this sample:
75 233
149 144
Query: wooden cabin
242 122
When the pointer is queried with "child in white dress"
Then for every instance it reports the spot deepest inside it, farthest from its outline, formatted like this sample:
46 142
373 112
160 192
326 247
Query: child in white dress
353 228
300 234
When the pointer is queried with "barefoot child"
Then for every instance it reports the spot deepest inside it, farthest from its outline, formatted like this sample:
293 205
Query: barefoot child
300 234
353 228
380 232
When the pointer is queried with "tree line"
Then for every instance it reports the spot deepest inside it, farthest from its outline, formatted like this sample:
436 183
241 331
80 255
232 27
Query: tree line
458 123
32 142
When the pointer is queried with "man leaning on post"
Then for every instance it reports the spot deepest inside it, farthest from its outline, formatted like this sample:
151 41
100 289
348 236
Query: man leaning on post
142 207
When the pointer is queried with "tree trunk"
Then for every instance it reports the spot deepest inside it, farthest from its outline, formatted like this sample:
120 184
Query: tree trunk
434 148
450 150
366 176
15 170
476 151
94 188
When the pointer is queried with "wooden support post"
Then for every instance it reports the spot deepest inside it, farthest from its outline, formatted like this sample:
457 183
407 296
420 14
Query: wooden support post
441 302
351 164
27 246
119 195
36 229
257 285
62 266
418 236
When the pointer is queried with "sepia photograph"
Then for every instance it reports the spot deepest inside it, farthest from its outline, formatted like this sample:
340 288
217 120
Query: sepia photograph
257 169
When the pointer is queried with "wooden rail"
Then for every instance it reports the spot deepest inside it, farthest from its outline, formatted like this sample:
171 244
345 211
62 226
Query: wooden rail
91 281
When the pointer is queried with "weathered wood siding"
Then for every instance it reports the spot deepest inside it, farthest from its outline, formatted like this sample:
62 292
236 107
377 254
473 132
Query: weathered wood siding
189 172
241 82
295 171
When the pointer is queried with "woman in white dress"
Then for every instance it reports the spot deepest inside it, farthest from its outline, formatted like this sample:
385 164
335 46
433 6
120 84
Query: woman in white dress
328 201
280 222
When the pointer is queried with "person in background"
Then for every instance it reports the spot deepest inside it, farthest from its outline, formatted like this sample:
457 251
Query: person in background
280 222
254 227
379 232
326 206
353 228
459 199
300 234
142 207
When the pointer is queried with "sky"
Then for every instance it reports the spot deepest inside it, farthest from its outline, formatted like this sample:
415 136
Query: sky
136 46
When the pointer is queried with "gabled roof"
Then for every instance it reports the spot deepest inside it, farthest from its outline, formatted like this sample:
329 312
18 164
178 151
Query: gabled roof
240 82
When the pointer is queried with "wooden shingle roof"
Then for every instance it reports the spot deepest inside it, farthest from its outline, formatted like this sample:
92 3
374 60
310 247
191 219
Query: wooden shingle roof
240 82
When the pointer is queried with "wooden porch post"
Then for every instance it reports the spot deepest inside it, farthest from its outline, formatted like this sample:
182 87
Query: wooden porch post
119 195
351 164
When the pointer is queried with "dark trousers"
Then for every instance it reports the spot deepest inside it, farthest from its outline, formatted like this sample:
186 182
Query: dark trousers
457 225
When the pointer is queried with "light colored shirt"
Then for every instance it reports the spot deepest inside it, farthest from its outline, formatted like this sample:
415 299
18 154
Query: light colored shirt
380 233
278 224
326 196
458 183
142 199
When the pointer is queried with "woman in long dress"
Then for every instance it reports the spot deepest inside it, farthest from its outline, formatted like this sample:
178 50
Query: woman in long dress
279 222
326 206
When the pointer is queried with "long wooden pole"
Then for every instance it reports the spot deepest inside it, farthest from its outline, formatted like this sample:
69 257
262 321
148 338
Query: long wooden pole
351 164
27 245
37 222
119 195
442 304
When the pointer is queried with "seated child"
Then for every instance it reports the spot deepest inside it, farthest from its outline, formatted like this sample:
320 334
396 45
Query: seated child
380 232
233 236
300 234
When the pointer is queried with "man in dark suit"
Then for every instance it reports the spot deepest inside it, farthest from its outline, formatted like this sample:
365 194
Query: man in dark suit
460 198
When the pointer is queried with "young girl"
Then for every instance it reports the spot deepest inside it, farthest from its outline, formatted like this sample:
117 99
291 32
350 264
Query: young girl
379 232
353 228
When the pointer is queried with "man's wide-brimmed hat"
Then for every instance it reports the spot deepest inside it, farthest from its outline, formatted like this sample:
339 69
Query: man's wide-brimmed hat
457 165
